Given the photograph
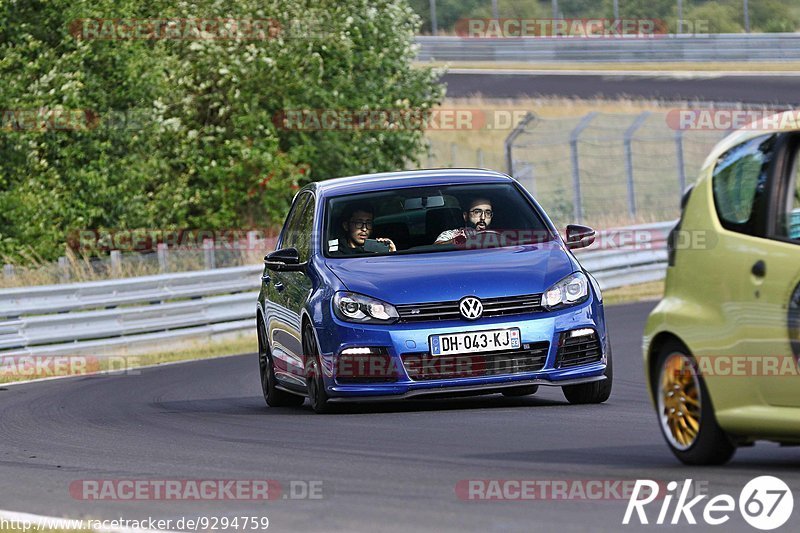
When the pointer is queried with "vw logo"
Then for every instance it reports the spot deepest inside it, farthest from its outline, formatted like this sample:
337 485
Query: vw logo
471 308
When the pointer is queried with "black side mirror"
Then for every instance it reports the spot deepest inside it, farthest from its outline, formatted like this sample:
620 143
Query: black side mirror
284 260
579 236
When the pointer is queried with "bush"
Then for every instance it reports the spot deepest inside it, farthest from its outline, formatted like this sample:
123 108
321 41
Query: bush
182 133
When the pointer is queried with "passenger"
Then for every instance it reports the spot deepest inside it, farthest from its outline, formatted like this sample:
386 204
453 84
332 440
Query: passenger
357 224
477 218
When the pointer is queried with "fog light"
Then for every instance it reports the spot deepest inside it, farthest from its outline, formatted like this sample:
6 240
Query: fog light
585 332
365 365
357 351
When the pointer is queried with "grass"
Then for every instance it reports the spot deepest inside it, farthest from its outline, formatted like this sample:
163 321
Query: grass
755 66
79 268
194 350
634 293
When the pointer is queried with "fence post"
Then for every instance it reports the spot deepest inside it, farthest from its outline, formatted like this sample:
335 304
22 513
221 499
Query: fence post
255 241
63 269
679 154
161 251
116 262
577 199
208 252
509 142
637 123
8 271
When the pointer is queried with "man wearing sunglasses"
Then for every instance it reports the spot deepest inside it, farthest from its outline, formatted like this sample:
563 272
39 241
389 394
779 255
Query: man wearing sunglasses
477 217
357 225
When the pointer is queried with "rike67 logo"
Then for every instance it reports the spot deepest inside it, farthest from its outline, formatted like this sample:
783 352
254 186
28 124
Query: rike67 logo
765 503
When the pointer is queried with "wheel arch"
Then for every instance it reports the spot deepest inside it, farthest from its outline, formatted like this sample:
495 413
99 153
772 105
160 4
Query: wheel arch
658 342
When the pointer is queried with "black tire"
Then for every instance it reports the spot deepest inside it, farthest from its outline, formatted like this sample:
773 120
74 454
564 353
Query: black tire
711 445
272 395
594 392
516 392
315 384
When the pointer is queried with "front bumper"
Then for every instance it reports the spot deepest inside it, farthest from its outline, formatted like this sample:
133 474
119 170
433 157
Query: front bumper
402 339
465 390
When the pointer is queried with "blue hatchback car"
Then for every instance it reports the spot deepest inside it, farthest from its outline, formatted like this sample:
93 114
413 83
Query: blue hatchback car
427 283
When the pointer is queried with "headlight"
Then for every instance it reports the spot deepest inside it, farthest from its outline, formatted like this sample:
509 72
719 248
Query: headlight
352 307
571 290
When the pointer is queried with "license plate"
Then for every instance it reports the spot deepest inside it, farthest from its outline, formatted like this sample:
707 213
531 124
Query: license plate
475 342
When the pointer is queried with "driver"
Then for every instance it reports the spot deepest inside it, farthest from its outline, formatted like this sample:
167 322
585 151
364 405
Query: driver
357 224
477 218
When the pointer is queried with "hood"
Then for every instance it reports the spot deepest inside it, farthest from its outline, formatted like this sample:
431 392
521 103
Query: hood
447 276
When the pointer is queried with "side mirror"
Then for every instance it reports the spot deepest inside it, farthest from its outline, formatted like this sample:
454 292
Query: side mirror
284 260
579 236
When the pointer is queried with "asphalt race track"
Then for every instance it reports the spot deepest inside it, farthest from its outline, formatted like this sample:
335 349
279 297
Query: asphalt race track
383 467
780 90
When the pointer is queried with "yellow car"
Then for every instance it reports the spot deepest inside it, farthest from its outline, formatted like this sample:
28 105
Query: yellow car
721 348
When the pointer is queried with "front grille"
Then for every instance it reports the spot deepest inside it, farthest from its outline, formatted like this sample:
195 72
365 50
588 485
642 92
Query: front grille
422 366
505 305
574 351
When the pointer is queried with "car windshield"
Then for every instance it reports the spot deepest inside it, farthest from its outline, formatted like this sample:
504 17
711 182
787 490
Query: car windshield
431 219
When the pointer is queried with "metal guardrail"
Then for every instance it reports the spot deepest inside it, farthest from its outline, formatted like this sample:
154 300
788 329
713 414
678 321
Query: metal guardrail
668 48
628 256
103 316
100 317
582 168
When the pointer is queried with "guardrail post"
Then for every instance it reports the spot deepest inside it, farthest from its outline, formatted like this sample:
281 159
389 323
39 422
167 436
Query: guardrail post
116 262
577 199
509 142
637 123
8 271
161 251
208 253
63 269
679 157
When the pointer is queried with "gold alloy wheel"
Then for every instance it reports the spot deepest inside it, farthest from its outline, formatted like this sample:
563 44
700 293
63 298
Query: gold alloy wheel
679 401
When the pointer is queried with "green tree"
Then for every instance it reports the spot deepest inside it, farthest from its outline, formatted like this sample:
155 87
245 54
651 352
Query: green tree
720 17
182 133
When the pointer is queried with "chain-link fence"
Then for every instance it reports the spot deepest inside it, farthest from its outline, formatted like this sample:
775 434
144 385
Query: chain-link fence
608 166
602 169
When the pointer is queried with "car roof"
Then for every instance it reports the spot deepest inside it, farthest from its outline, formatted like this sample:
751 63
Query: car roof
406 178
783 123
